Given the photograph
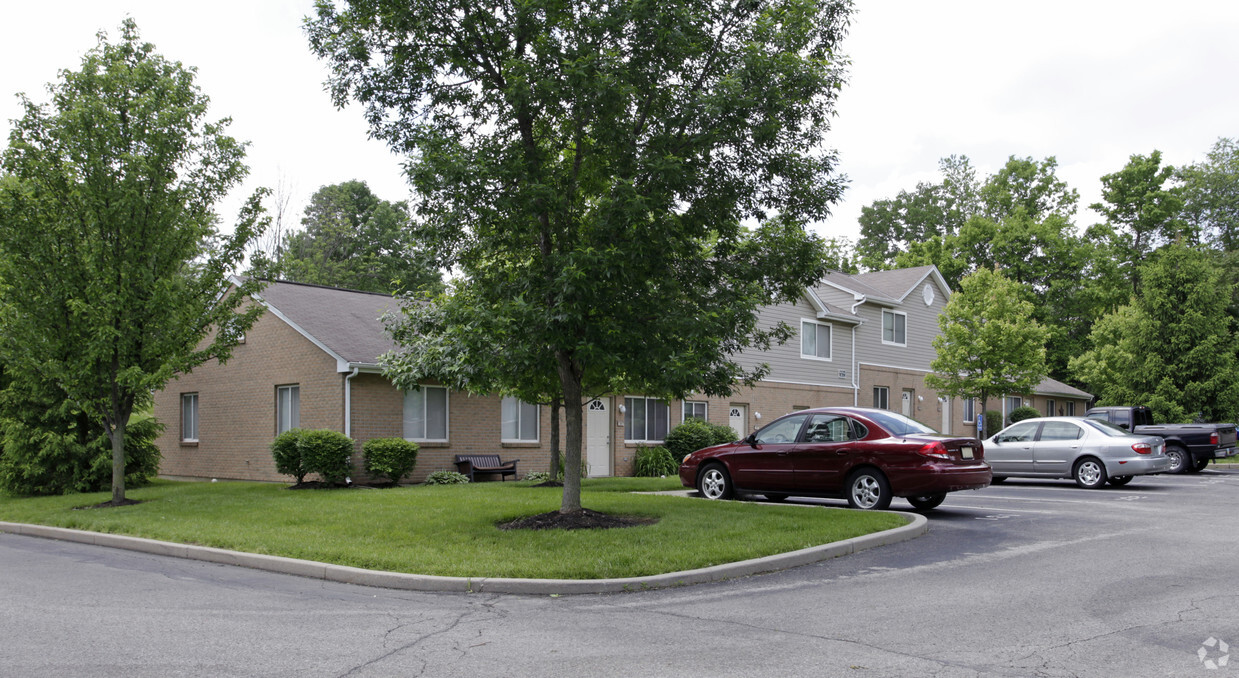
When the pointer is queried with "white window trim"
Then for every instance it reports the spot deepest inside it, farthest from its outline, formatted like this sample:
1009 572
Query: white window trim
278 414
537 415
905 328
645 399
447 415
197 418
830 349
684 418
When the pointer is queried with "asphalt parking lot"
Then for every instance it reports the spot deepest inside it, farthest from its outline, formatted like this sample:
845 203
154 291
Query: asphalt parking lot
1028 578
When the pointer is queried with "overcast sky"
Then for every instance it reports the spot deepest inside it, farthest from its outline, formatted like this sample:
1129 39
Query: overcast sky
1090 82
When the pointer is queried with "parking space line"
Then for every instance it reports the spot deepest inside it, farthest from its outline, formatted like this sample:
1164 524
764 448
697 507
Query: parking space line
992 508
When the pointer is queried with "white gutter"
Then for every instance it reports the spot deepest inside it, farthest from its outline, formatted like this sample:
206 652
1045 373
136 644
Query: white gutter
860 299
348 403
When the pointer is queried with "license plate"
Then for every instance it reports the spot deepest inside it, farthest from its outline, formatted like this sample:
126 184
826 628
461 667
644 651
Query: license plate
966 452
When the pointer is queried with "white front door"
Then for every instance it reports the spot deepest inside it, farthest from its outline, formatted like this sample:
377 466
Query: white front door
907 404
598 437
946 416
738 419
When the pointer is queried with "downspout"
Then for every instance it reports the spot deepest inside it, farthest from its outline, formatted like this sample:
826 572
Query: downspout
855 372
348 403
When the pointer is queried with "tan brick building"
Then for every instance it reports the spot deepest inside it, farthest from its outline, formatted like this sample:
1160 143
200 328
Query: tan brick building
312 361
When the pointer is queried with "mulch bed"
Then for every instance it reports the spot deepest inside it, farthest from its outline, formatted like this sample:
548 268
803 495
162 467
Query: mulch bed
550 483
108 504
584 519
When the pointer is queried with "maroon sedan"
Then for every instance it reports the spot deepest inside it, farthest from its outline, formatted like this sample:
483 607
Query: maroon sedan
864 455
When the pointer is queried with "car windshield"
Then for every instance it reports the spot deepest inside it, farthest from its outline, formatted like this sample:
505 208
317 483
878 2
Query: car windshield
1109 429
897 424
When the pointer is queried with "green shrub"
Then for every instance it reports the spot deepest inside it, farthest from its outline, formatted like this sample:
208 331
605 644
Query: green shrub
73 455
993 422
652 462
327 453
391 458
538 476
1022 413
689 437
287 454
446 478
584 468
723 434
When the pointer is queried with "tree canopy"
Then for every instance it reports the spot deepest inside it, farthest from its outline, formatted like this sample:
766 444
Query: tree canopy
588 170
114 273
989 343
351 238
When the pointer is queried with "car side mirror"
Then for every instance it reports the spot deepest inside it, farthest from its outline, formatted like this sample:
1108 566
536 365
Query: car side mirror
751 440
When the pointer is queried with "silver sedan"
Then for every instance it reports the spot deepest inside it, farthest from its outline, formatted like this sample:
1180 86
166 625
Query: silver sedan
1089 450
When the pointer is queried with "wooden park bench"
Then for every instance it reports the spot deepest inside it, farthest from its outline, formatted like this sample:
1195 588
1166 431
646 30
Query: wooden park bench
470 464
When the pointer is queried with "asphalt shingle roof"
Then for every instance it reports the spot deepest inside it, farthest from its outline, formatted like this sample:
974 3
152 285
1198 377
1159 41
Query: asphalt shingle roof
347 322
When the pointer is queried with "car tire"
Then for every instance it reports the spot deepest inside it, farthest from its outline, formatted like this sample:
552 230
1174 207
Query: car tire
926 502
1200 466
1119 481
775 497
1179 459
998 479
868 490
714 483
1089 473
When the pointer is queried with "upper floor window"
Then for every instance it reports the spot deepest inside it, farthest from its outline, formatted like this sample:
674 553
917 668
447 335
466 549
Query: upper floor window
519 421
881 397
814 340
425 414
287 408
189 417
647 419
694 409
895 328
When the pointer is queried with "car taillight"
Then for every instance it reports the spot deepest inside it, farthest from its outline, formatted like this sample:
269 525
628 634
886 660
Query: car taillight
935 449
1142 448
1213 439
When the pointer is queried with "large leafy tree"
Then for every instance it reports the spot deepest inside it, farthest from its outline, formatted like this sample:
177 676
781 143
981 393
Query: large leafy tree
1210 192
352 238
931 212
1142 212
989 343
115 276
1174 347
588 168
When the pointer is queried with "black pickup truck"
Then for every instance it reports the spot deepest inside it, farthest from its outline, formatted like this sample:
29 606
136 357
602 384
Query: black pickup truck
1189 446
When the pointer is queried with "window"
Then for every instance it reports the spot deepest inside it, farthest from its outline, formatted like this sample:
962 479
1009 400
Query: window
425 414
782 431
647 419
1012 403
970 410
1049 408
287 408
895 328
814 340
1023 432
519 421
828 428
189 417
1060 430
694 410
1071 409
881 397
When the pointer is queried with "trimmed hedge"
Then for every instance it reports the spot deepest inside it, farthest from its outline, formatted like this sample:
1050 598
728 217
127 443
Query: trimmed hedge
695 434
1022 413
299 452
288 456
390 458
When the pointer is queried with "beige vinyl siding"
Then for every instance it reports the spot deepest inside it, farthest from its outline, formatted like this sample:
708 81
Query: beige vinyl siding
922 327
786 364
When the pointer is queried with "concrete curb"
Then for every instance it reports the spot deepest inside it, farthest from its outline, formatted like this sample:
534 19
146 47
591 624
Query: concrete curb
419 582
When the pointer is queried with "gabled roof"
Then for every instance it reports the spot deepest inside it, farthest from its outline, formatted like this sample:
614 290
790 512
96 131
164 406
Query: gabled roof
1051 387
344 323
886 287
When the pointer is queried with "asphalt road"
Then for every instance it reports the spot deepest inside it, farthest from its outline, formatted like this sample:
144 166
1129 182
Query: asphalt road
1028 578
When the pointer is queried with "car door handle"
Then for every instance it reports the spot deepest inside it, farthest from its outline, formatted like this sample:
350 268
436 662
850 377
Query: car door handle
840 453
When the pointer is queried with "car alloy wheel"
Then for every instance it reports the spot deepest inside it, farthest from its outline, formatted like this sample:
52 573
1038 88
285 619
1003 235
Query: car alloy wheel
1178 459
714 483
1090 474
869 490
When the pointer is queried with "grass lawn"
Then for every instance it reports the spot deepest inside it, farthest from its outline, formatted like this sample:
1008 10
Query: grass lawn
451 530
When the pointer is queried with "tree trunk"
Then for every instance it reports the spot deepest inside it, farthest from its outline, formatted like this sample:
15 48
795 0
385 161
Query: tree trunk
570 382
117 435
555 408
